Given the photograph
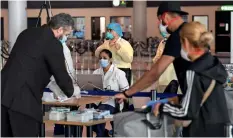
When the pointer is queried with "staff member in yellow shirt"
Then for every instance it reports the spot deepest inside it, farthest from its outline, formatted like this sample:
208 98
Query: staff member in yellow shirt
169 74
121 49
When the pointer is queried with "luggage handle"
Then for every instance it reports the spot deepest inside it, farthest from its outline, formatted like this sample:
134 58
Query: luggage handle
154 126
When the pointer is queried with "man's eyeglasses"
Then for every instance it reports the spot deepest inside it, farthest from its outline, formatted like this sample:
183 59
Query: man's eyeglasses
109 30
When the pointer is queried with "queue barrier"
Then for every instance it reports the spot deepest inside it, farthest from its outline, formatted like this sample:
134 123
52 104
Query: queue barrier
112 93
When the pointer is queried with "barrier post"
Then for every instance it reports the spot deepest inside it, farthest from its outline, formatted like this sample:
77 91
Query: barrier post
153 95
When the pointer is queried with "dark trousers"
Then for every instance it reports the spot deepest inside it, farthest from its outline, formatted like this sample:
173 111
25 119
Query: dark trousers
60 129
100 129
14 124
210 130
128 74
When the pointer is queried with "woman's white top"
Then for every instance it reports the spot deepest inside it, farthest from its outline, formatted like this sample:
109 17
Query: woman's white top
114 79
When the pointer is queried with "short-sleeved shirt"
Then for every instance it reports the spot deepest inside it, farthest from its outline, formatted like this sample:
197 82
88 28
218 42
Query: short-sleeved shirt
173 48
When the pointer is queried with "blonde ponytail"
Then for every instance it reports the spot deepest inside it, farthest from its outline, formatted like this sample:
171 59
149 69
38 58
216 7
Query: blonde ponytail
196 34
206 39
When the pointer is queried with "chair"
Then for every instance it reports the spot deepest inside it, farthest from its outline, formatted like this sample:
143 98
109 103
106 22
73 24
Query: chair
126 108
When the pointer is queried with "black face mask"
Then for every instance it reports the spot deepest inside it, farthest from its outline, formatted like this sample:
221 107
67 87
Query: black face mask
168 31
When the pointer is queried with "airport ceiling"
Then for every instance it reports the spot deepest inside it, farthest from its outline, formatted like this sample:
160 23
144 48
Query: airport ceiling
108 4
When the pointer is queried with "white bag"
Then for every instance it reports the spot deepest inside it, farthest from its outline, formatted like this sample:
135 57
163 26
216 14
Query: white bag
48 97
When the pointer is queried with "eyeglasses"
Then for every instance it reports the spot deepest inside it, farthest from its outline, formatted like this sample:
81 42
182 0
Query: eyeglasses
103 58
109 30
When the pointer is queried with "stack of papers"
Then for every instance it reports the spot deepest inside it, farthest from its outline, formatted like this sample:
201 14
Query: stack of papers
79 116
101 114
58 113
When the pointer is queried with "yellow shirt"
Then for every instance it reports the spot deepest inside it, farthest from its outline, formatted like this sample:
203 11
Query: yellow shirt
169 74
123 57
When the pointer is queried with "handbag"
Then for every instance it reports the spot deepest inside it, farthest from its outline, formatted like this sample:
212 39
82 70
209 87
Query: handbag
186 123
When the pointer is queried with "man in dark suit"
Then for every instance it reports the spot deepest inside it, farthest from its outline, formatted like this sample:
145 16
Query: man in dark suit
36 56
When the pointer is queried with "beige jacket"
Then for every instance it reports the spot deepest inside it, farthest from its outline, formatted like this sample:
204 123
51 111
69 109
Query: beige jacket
123 57
169 74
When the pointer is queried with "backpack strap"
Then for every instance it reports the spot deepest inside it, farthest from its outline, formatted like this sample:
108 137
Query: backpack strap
208 91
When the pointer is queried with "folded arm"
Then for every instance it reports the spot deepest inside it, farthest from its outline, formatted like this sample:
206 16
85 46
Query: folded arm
125 52
100 48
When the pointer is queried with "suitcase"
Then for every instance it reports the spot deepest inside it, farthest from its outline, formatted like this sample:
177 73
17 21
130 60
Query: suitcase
138 124
229 101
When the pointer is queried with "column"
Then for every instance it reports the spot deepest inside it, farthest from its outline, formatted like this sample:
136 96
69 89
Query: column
140 20
231 34
88 22
17 19
139 34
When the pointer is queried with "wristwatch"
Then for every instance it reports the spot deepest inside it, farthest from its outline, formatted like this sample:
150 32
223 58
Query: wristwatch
127 96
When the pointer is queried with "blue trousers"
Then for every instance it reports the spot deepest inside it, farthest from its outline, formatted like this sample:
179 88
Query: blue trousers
100 129
59 130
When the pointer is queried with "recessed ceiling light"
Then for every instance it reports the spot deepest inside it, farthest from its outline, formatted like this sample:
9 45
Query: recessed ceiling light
116 2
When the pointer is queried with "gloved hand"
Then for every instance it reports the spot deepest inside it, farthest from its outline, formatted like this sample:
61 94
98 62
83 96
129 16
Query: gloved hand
48 97
55 89
153 103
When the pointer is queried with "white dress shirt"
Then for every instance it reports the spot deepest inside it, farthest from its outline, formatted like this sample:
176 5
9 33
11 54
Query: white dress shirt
114 79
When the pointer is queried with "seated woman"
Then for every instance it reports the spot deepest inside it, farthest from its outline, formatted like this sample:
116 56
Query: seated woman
113 79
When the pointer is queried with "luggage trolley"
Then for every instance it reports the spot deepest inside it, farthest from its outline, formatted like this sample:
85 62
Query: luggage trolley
165 119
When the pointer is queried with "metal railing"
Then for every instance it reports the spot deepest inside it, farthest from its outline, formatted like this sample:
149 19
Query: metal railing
4 52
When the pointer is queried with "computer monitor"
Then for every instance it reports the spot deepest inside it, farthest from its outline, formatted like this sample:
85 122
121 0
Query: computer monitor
90 81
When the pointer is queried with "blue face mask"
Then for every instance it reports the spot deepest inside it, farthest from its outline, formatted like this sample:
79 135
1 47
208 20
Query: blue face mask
109 36
104 63
63 39
163 30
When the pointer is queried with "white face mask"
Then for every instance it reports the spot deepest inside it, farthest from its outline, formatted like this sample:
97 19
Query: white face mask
184 55
163 30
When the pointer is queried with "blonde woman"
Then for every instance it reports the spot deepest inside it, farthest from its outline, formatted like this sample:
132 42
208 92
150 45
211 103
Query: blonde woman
203 112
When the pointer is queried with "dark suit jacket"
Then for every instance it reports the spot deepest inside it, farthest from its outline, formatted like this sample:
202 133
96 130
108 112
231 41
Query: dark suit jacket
35 57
